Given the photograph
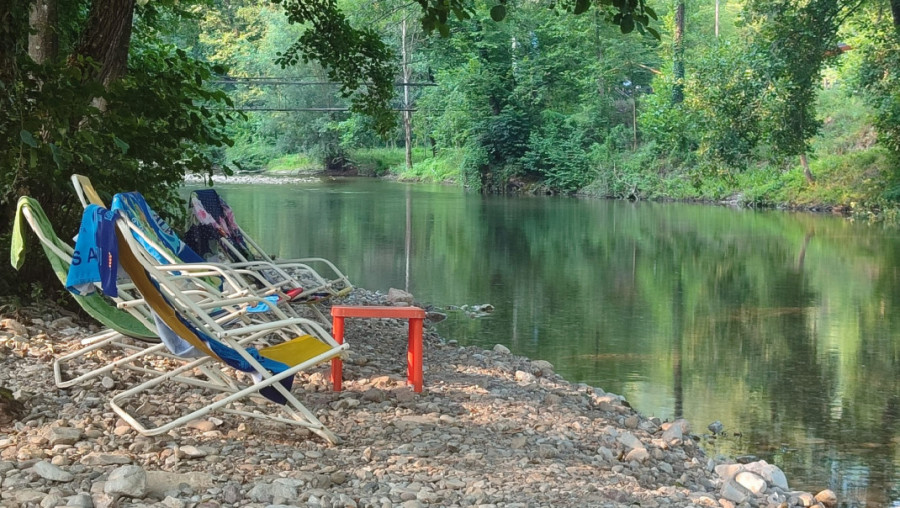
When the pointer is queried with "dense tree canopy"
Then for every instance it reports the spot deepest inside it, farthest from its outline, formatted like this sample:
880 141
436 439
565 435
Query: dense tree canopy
506 95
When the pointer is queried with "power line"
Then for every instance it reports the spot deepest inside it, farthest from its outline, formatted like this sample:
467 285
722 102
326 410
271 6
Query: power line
321 110
290 81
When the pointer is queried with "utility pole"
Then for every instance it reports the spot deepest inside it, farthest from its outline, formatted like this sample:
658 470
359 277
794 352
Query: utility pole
407 114
678 67
717 19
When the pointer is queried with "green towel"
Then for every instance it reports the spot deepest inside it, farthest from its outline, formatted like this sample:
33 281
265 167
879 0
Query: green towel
94 304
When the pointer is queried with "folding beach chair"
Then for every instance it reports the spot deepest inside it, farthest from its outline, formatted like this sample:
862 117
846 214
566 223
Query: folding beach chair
133 323
215 232
293 345
132 326
159 240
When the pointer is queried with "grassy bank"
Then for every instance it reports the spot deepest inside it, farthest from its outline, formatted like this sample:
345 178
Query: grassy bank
853 175
384 162
856 180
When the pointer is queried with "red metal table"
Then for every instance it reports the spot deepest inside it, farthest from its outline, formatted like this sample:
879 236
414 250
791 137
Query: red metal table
416 317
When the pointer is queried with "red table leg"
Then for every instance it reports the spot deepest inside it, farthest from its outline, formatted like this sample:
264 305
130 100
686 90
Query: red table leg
337 366
414 354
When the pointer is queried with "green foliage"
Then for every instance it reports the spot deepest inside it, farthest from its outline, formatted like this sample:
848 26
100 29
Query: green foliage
548 101
724 94
626 14
476 173
558 153
673 127
847 122
878 76
293 162
142 133
444 168
380 161
356 58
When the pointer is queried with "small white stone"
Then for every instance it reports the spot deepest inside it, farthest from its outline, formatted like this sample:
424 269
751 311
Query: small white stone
752 482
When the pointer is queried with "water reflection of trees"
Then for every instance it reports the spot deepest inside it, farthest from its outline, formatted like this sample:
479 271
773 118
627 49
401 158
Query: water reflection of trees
782 326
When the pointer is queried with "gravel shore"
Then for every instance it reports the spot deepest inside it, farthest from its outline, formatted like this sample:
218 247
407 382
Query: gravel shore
489 429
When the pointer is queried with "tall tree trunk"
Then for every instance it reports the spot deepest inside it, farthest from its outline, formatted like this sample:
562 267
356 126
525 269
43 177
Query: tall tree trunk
633 120
43 42
678 67
895 11
106 38
407 74
810 179
717 19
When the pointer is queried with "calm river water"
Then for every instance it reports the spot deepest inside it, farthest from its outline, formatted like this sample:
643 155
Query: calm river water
785 327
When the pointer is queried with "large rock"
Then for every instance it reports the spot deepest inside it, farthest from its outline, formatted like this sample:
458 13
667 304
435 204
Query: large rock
728 471
128 481
735 492
524 377
396 296
673 436
770 472
104 459
639 454
81 500
827 498
24 496
48 471
266 492
628 439
63 436
159 482
190 452
542 368
752 482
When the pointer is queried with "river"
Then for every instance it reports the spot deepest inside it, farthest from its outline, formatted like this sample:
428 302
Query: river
780 325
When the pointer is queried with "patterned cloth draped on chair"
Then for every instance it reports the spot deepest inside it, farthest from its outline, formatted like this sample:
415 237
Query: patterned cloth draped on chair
211 221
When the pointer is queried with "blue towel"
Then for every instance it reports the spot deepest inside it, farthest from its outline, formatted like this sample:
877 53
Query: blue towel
135 207
96 256
175 344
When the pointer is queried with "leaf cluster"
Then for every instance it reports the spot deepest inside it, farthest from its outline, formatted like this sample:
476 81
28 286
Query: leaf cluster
142 133
355 57
878 76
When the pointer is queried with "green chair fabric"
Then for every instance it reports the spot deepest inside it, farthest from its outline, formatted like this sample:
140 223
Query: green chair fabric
97 306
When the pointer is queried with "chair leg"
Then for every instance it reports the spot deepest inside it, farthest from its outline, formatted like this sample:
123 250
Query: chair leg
97 342
300 415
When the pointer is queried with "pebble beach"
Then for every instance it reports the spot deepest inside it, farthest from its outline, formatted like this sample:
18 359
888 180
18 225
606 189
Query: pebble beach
489 429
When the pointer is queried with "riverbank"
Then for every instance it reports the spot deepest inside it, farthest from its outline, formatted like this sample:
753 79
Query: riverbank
852 185
490 429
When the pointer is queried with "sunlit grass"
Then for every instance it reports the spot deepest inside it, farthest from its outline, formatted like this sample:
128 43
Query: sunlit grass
380 161
293 162
443 168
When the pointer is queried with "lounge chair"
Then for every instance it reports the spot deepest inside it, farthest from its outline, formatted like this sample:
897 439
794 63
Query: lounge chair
296 344
158 240
133 323
215 233
132 326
